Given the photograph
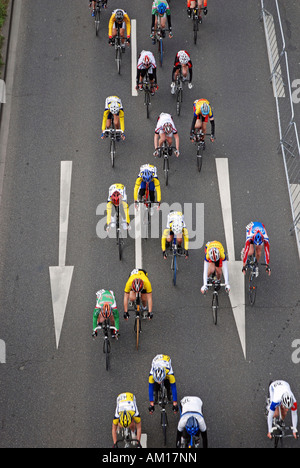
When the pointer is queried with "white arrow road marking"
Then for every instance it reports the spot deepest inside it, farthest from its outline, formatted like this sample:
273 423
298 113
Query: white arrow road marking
144 440
237 279
61 275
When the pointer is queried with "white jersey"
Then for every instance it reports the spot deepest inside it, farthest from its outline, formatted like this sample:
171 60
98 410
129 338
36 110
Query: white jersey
175 216
277 390
111 99
126 402
161 360
117 188
162 120
141 65
191 406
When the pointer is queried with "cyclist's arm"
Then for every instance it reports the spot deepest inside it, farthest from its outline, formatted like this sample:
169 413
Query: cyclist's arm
128 25
137 188
246 252
213 126
267 252
185 238
158 189
151 388
153 19
116 317
270 420
154 73
172 381
193 123
205 272
114 430
294 416
150 302
225 271
164 239
156 138
138 74
109 210
191 73
176 137
95 317
122 120
110 25
105 115
169 20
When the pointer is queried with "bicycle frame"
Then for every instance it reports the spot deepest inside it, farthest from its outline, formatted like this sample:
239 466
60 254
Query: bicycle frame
165 150
200 144
113 133
216 285
106 344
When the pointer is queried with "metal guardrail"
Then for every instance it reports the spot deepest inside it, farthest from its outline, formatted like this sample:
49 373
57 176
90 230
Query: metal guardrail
288 132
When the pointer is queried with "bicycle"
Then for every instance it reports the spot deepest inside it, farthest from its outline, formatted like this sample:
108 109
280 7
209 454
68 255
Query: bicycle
147 88
148 204
162 401
139 314
105 326
214 283
166 151
120 240
126 439
196 21
195 442
158 37
114 135
179 92
198 138
252 266
280 431
119 48
175 252
100 4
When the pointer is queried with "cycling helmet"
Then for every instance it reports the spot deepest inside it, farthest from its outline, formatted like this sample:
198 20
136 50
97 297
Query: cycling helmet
147 175
116 198
125 419
183 58
114 108
287 400
258 239
176 227
167 128
214 254
159 374
106 310
192 426
162 8
119 15
146 61
137 285
205 109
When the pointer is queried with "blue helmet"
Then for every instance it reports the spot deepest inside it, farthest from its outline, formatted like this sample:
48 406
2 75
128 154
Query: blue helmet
162 8
205 109
258 239
192 426
147 175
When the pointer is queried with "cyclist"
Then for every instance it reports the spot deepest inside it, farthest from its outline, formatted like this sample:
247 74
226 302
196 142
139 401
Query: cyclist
162 371
147 175
202 112
161 9
127 415
176 227
138 282
280 395
119 20
113 111
117 197
215 262
256 238
192 4
146 64
93 6
184 64
164 131
191 420
106 308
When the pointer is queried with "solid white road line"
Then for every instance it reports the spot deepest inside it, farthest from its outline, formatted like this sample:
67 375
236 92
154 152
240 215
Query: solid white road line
61 275
133 56
236 278
138 238
144 440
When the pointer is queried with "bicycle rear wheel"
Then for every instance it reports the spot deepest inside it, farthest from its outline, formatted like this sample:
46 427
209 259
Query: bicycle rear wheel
97 21
252 289
215 306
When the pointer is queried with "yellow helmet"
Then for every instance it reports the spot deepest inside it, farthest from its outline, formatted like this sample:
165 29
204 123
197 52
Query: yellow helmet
125 419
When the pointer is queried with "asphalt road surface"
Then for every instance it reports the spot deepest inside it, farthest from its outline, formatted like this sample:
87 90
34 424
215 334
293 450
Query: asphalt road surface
63 397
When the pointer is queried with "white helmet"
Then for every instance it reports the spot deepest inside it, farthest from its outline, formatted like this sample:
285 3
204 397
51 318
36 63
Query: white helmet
183 58
114 107
214 254
287 400
176 227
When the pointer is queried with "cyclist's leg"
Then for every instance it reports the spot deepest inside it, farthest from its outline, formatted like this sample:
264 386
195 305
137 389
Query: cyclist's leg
258 252
184 71
211 269
162 138
117 121
218 272
168 388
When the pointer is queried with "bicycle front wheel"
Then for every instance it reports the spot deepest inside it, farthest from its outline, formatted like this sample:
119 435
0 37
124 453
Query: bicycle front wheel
106 350
97 21
164 425
252 290
174 269
137 329
166 169
147 103
215 306
199 158
195 28
179 101
112 152
161 51
118 58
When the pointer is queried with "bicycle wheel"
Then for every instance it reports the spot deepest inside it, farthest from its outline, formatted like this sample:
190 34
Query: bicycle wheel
178 101
106 350
252 289
164 425
137 329
174 268
195 27
199 158
166 169
215 305
97 21
147 103
161 51
118 58
112 151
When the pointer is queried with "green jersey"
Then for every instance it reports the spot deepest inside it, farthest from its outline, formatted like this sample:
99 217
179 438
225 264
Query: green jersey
158 2
103 296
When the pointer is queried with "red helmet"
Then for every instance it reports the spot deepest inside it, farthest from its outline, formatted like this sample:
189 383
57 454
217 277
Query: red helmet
106 310
116 198
137 285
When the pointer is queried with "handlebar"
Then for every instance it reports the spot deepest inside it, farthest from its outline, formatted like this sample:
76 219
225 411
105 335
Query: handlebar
101 327
113 130
137 442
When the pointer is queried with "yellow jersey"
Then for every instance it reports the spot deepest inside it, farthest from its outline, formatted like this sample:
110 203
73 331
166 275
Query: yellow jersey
153 185
197 108
141 274
127 402
108 102
122 190
112 22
